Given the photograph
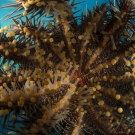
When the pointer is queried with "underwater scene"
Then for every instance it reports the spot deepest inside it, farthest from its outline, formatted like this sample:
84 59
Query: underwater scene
67 67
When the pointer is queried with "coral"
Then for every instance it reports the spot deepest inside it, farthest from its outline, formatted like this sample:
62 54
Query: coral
58 76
